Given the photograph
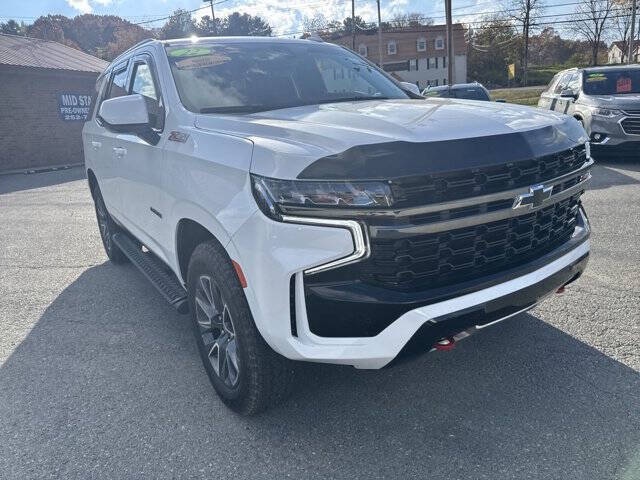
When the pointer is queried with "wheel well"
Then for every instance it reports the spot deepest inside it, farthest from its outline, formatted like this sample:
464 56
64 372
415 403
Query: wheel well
93 182
189 235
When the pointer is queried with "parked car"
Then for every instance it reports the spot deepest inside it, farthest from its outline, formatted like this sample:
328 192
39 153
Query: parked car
299 205
466 91
606 100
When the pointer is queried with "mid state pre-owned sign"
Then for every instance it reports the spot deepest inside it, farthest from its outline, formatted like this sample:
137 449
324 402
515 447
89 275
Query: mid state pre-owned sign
74 106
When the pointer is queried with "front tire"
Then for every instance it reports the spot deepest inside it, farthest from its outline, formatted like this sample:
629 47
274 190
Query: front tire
246 373
107 228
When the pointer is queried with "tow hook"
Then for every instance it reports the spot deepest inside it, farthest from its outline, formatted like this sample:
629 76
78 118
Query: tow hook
445 344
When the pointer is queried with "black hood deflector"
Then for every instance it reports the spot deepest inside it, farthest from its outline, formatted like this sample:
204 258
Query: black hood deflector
387 160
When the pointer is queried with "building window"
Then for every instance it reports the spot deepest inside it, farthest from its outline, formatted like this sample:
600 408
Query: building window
421 44
362 49
436 82
392 48
413 64
436 62
439 43
444 81
428 63
444 62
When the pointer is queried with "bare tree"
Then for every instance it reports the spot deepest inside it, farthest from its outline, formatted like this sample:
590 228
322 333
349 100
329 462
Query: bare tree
410 19
317 23
622 24
524 14
591 19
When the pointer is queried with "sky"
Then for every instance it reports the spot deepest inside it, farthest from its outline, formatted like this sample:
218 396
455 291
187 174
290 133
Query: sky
284 16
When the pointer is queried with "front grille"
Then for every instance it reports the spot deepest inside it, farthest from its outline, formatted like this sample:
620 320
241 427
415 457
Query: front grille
443 187
632 112
439 259
631 126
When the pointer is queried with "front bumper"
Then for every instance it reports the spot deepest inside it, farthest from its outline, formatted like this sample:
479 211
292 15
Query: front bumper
612 134
275 255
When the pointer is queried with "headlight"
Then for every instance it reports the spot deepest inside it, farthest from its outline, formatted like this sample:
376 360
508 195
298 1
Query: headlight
274 195
605 112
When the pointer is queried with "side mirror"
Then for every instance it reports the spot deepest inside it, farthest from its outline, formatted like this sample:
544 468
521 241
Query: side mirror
128 114
568 93
412 87
124 113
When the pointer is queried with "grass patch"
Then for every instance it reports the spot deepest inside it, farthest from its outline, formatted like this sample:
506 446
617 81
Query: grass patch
521 96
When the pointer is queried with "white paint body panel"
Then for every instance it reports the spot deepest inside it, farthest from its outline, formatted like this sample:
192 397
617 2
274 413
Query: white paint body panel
206 179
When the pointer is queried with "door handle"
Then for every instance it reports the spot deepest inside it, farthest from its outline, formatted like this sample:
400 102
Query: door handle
119 152
96 145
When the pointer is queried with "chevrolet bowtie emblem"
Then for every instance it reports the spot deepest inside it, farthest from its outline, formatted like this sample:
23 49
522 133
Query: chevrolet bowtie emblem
538 194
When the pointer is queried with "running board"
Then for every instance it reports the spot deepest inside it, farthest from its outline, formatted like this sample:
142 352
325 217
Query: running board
155 270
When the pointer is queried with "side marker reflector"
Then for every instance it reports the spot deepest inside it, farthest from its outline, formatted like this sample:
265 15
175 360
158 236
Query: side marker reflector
240 273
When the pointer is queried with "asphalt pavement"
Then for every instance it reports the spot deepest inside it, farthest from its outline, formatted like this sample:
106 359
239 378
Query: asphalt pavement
99 378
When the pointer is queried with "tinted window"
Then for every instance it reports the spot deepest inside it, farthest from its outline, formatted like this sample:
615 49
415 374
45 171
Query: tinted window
118 86
249 77
471 93
612 82
144 84
574 82
143 81
562 83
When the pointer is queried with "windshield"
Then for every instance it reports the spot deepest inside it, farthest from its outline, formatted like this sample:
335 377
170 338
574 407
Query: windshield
612 82
249 77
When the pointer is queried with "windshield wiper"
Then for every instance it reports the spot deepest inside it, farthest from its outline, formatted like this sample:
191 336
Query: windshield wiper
352 99
236 109
264 108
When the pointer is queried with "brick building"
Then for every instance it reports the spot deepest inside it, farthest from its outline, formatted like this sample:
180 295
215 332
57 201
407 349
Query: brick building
46 90
414 54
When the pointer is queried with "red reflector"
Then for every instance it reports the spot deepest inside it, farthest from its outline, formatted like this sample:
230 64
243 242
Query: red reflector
240 273
560 290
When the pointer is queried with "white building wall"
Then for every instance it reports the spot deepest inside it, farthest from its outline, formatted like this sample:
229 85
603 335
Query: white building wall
428 76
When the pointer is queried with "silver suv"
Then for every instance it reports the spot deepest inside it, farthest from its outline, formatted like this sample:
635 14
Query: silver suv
606 100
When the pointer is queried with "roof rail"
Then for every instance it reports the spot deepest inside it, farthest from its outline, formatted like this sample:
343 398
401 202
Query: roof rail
142 42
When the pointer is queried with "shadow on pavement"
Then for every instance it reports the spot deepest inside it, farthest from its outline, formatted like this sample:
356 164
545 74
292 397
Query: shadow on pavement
28 181
108 383
607 174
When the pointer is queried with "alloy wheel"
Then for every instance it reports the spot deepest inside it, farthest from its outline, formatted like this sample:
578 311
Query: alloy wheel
217 332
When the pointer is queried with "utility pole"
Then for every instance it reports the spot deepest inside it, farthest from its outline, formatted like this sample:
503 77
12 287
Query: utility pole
213 16
379 37
353 25
632 36
447 6
527 21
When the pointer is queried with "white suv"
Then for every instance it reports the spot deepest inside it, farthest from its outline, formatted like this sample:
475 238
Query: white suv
302 206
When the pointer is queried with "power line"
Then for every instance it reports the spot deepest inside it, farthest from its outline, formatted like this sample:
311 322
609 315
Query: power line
181 13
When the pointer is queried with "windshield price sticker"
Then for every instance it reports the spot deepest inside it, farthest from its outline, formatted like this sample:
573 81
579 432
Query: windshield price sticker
596 77
189 52
623 85
202 61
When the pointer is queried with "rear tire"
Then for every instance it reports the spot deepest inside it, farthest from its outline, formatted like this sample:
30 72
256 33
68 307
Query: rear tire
107 228
246 373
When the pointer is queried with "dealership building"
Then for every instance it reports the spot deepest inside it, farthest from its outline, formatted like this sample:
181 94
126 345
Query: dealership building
46 92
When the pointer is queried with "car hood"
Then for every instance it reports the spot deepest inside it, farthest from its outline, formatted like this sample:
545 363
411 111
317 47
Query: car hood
390 138
618 102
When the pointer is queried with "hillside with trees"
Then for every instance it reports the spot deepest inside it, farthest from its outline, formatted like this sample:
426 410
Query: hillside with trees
106 36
